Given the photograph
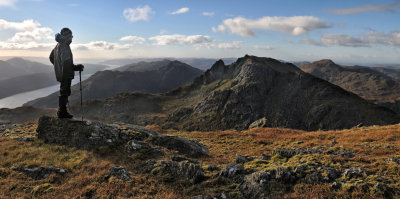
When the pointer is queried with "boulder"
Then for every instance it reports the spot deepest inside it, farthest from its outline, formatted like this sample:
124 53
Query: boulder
135 146
354 172
254 184
80 134
230 170
259 123
119 172
243 159
189 147
38 173
171 170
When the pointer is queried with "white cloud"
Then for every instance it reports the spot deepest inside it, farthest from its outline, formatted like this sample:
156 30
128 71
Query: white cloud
228 45
208 14
135 39
180 39
26 46
180 11
263 47
8 3
138 14
26 25
36 34
366 8
363 40
297 25
101 45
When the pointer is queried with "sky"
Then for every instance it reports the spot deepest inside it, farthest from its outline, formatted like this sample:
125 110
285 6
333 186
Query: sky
354 32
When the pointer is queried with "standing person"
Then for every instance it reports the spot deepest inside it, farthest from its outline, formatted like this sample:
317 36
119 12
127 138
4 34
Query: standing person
61 58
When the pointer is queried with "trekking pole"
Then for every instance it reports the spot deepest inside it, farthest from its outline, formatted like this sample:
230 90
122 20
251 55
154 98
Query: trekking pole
80 85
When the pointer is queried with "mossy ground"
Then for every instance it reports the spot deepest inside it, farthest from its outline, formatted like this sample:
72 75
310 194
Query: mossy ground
86 170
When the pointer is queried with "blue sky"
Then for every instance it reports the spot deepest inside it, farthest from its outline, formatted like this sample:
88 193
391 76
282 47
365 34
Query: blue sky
362 32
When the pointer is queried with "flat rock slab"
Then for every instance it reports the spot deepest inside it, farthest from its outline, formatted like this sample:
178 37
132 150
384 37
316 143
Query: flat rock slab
80 134
92 135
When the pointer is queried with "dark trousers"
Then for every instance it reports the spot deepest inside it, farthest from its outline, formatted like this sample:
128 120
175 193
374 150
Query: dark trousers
65 87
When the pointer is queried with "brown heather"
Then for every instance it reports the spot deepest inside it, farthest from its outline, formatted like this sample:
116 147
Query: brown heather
86 170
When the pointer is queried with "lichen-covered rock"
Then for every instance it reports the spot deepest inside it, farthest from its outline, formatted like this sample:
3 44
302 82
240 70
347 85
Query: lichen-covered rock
243 159
336 185
119 172
283 174
80 134
393 159
135 146
230 170
171 170
259 123
288 153
343 153
189 147
180 159
254 184
354 172
38 173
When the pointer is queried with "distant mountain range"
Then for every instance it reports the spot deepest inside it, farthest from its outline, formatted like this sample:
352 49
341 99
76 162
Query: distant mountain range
366 82
200 63
19 75
380 85
236 95
161 77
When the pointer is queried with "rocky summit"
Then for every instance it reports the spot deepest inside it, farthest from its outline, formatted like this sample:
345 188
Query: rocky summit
251 92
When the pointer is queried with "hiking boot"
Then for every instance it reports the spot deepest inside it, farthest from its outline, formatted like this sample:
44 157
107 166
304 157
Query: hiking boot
62 108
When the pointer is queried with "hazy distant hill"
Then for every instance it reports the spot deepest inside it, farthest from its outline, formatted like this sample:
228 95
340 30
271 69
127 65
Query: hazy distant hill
26 83
30 67
389 71
236 95
144 66
109 83
9 71
367 83
200 63
19 75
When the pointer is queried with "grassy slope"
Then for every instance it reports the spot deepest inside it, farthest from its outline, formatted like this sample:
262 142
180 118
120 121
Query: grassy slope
86 169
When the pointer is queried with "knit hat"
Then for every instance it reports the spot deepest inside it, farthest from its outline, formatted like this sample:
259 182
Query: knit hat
66 32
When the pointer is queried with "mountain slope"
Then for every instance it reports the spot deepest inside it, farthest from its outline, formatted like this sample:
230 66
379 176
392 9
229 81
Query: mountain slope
109 83
9 71
30 67
234 96
26 83
391 72
144 66
369 84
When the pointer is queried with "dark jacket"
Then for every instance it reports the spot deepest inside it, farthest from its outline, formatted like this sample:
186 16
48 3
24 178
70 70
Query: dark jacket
62 59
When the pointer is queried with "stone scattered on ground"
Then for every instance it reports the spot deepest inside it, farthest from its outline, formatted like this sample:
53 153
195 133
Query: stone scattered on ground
354 172
343 153
393 159
180 159
185 146
259 123
135 146
38 173
243 159
231 170
171 170
254 184
119 172
288 153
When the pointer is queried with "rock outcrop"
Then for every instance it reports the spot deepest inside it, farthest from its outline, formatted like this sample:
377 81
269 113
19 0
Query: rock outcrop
92 135
171 170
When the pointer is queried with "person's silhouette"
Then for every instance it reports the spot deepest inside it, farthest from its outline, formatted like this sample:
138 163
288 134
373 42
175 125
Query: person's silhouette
62 59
